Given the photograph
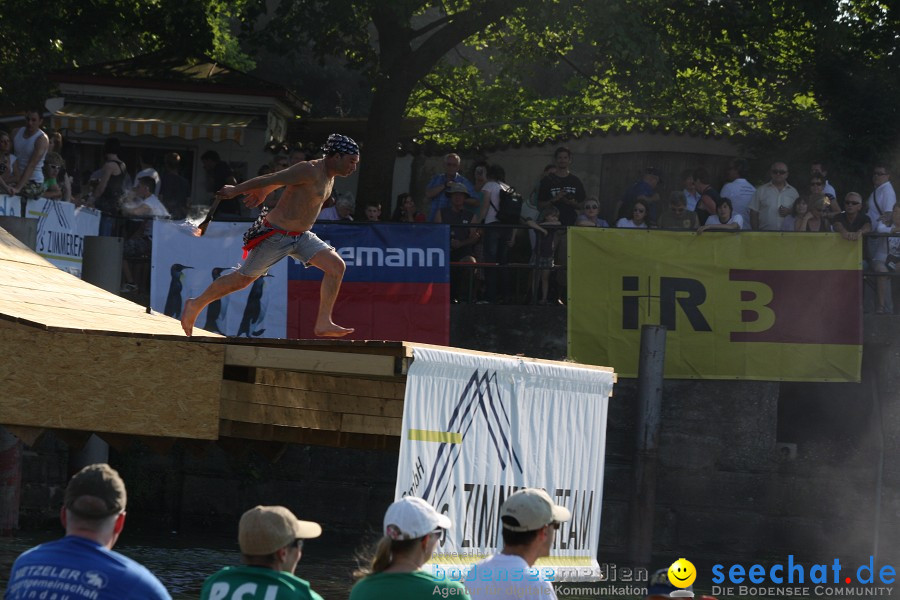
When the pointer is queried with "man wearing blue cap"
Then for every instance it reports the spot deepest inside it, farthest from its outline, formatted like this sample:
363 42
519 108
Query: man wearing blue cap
285 231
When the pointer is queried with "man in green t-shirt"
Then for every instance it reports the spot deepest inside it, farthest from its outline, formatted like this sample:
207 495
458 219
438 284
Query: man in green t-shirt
271 542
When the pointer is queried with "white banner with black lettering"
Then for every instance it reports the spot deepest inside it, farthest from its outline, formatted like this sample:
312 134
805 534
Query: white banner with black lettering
60 231
476 428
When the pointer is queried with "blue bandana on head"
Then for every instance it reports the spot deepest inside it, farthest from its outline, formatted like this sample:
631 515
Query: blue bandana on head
341 144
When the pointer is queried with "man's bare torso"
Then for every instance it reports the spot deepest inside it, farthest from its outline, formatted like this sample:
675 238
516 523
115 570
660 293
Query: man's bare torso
301 203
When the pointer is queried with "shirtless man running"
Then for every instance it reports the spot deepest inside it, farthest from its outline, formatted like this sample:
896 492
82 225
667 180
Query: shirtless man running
286 231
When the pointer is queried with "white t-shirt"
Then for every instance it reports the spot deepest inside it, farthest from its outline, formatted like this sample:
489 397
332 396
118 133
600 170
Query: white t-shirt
491 191
885 197
156 207
735 218
629 224
740 192
508 577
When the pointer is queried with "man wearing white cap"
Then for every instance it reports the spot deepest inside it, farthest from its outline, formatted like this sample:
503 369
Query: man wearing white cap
271 542
412 528
530 520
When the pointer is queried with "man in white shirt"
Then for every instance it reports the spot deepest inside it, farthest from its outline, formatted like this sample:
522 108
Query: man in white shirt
139 243
738 189
530 521
772 201
146 203
882 199
880 206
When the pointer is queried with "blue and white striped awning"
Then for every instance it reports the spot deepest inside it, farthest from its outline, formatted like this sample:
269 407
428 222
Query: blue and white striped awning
162 123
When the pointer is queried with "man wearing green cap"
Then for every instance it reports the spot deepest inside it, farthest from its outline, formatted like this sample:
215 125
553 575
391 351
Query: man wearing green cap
83 564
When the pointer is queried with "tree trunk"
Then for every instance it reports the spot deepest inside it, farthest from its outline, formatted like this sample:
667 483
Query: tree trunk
379 152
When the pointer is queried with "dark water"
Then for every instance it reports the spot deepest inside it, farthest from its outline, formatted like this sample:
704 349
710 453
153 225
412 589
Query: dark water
183 562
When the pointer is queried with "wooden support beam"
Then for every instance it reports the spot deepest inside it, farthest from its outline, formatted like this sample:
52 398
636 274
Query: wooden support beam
300 435
376 388
360 403
310 360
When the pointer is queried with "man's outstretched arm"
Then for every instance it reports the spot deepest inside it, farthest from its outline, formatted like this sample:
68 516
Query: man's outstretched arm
261 186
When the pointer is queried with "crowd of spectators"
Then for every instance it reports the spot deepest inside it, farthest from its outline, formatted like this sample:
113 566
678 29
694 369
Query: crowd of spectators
558 200
32 166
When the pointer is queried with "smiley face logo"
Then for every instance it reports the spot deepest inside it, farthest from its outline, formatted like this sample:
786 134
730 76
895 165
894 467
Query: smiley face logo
682 573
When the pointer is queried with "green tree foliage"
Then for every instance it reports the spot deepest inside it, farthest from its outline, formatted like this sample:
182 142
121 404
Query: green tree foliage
40 37
800 79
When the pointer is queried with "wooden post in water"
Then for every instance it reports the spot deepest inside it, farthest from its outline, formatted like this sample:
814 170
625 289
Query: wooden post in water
10 481
650 385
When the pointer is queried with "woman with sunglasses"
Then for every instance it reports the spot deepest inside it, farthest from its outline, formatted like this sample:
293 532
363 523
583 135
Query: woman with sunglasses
590 214
412 529
724 219
638 218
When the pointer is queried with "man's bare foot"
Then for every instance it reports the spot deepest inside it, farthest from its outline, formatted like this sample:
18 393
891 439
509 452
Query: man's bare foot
329 329
189 315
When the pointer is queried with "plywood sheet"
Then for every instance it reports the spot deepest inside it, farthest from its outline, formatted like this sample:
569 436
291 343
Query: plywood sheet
102 383
36 292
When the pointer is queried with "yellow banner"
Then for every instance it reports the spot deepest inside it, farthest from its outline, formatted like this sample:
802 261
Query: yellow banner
764 306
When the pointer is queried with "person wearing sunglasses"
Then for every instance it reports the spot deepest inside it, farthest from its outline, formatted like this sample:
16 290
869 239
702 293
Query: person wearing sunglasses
772 201
852 223
412 530
590 214
530 520
638 218
271 542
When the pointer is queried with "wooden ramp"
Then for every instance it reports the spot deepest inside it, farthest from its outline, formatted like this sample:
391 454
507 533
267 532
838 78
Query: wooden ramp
73 356
76 358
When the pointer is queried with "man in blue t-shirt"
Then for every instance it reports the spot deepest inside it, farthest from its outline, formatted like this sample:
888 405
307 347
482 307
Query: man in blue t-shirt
438 187
83 564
